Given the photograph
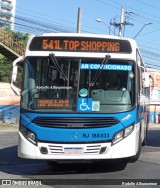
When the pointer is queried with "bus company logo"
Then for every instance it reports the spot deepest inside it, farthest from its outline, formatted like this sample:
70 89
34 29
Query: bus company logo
75 125
74 136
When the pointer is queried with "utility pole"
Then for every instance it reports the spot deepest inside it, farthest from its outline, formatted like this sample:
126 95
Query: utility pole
79 21
122 23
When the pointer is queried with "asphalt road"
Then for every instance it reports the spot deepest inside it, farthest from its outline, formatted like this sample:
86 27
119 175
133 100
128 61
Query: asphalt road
145 170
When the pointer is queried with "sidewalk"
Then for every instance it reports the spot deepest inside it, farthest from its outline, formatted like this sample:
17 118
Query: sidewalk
154 125
6 127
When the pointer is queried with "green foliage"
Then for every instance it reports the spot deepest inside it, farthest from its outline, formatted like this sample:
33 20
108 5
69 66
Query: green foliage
23 36
5 69
6 64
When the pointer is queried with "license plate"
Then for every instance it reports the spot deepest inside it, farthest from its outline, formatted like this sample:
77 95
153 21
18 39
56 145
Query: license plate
75 150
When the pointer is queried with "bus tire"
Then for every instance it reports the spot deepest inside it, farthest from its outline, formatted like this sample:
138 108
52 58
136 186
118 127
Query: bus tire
136 157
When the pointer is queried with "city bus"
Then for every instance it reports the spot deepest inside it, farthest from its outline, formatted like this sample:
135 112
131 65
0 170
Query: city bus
84 97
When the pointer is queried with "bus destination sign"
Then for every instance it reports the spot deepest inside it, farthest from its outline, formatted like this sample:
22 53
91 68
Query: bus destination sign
80 44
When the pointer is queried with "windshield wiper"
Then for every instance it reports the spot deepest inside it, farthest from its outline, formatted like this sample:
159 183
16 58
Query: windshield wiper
104 62
54 61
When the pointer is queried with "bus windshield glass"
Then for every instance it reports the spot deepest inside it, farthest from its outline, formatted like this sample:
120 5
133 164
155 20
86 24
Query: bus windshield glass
78 85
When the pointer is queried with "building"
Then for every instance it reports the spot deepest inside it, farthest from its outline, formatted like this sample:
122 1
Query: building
154 95
7 12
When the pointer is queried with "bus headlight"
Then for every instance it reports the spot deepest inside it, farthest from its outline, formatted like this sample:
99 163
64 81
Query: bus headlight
30 136
128 130
122 134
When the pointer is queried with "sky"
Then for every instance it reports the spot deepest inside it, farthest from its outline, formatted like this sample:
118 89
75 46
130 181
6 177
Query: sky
142 18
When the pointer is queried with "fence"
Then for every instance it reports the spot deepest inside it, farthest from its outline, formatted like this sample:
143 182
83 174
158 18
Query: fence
11 40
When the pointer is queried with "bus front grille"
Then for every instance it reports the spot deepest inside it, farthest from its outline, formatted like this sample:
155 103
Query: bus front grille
88 149
75 122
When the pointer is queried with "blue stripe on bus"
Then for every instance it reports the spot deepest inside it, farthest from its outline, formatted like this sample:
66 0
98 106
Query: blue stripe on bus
78 134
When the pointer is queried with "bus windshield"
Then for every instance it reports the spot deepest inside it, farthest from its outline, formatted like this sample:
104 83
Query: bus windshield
78 85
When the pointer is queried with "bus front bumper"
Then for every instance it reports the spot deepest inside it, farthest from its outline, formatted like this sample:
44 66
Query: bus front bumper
91 151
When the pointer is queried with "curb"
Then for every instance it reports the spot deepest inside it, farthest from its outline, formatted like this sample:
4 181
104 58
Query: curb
154 125
9 127
8 130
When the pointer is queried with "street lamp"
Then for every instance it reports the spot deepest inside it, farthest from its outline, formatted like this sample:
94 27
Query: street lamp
99 20
142 29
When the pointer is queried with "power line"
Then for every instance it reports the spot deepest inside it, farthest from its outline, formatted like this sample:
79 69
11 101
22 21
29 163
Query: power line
107 4
34 23
150 5
41 17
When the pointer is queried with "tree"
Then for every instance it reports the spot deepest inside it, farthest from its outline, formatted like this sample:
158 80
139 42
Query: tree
5 69
23 36
6 64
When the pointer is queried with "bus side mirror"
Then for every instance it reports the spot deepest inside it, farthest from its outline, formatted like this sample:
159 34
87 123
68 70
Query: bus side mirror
146 80
14 75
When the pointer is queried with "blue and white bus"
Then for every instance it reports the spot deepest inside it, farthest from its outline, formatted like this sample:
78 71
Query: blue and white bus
83 97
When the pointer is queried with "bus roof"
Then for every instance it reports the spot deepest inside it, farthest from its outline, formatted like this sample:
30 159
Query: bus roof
83 35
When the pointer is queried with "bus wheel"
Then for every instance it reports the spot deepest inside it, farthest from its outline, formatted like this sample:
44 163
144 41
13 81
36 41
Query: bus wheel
135 157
